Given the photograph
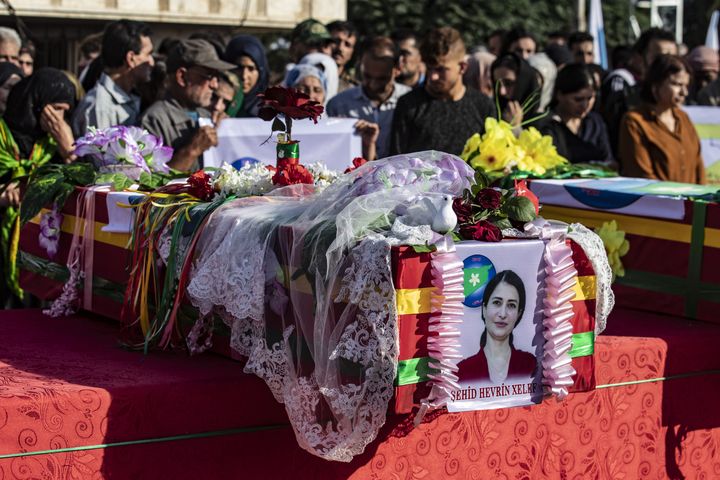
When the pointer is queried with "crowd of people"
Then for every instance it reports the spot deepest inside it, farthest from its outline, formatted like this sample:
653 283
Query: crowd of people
408 92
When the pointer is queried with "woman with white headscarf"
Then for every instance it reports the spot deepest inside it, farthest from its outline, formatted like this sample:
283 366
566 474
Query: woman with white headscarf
328 66
477 75
310 80
548 73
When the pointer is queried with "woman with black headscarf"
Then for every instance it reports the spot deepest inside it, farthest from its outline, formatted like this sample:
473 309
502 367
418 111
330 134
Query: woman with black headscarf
516 88
248 53
10 74
33 132
36 117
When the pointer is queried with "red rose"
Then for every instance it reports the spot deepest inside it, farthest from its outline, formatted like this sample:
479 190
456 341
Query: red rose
357 163
489 198
521 190
200 186
483 231
291 175
290 102
463 210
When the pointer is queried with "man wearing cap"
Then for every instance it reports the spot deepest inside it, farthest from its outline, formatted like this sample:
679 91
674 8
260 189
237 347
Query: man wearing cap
127 56
193 69
310 36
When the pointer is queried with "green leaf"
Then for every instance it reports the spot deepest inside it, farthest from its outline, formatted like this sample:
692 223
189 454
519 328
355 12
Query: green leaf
40 193
481 180
519 209
423 248
502 223
79 173
278 125
119 181
63 193
456 237
152 181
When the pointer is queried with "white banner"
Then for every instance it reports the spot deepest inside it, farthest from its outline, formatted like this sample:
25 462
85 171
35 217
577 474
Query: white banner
331 141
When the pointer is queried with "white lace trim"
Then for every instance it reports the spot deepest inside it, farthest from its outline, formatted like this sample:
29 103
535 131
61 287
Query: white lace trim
369 339
593 247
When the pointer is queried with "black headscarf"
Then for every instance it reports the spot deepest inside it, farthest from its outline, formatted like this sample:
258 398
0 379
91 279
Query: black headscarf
526 82
7 70
27 100
249 46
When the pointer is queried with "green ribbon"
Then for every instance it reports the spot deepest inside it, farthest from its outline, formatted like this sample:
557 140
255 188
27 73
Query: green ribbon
583 344
697 241
288 150
414 370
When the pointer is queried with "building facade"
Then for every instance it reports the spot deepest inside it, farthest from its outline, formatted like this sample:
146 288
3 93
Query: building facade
58 26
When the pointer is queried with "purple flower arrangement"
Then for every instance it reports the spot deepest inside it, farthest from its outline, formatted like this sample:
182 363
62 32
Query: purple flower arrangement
50 231
122 145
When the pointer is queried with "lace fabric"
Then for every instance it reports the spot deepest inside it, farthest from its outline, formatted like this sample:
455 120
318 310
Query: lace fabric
593 247
303 280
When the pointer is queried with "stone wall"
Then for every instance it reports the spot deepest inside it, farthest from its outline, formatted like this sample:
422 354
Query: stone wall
266 14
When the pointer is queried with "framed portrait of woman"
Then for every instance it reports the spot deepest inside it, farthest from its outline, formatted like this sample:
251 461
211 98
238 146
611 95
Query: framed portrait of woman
501 338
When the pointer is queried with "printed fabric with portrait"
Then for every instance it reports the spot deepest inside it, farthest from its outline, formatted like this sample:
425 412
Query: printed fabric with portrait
501 338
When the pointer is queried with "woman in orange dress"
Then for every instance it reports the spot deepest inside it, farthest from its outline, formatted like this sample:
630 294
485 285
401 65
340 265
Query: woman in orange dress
658 140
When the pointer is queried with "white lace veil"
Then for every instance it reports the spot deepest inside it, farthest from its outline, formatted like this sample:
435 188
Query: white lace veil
304 281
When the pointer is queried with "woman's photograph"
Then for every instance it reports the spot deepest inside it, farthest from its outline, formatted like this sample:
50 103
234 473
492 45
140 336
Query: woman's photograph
503 308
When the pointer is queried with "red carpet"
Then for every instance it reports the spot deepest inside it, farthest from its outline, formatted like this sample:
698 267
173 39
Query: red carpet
67 383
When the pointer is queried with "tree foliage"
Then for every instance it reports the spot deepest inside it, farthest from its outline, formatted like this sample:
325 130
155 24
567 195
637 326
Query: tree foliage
476 19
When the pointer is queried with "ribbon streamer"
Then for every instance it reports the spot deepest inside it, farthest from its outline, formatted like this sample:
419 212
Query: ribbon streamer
446 314
559 293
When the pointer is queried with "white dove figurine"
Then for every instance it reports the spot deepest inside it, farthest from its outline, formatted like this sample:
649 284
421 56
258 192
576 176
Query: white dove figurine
445 219
433 210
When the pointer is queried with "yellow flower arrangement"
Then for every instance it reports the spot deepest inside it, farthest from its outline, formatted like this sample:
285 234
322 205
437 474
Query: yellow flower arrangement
616 246
499 150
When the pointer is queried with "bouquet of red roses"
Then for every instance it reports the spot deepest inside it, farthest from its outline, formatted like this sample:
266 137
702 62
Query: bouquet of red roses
483 212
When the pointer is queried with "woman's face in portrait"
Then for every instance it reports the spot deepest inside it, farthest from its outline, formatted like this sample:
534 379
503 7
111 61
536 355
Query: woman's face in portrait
502 311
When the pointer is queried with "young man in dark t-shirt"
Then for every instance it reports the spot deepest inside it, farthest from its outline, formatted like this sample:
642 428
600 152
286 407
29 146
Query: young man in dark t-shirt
443 113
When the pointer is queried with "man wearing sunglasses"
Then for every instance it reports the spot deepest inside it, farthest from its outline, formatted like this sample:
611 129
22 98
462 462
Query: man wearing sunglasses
193 72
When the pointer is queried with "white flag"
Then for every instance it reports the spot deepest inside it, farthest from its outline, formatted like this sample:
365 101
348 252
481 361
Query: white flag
597 30
711 39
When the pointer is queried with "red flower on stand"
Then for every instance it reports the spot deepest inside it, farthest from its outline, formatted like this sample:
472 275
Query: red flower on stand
292 105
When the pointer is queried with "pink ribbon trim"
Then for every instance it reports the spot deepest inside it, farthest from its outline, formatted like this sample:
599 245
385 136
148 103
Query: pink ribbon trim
446 314
561 278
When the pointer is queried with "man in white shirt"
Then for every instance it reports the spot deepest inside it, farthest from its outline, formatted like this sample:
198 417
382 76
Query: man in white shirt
127 57
373 103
